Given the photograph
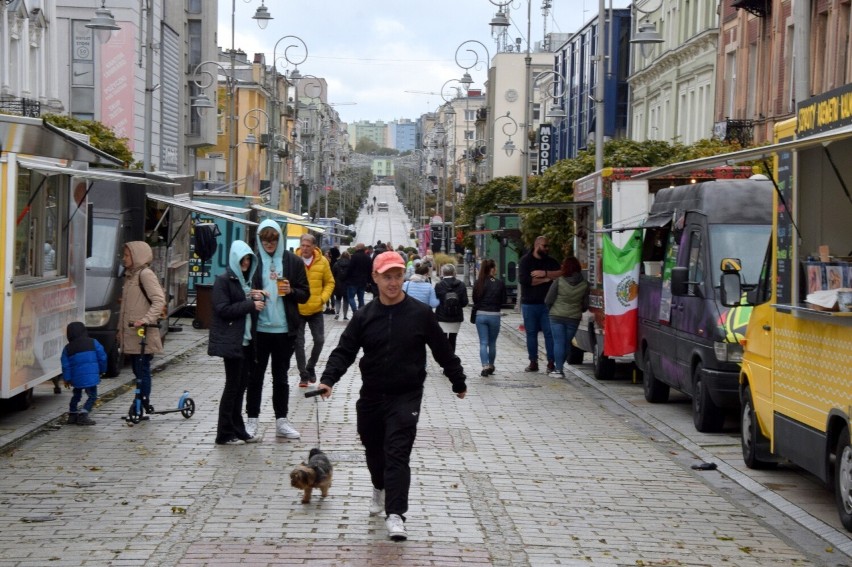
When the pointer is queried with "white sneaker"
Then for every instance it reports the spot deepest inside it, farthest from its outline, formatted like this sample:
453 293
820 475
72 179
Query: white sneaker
377 504
251 426
283 428
396 528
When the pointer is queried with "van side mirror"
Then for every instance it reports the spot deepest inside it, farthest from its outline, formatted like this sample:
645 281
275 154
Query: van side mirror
680 281
730 289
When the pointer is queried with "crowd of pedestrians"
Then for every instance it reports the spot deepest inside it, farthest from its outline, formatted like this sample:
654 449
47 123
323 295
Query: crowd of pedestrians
268 297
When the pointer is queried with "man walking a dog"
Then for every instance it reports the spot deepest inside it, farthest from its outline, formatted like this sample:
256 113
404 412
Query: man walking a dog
394 332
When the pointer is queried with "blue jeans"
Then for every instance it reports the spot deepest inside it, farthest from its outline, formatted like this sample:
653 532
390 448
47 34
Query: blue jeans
91 397
142 370
487 327
563 334
537 320
351 292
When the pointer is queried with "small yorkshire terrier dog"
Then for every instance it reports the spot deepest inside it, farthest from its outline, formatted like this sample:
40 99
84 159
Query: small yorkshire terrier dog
316 473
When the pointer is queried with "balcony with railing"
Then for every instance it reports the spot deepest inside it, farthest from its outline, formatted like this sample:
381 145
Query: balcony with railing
20 106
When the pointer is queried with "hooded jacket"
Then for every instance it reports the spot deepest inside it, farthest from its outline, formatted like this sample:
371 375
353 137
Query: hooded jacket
281 313
568 297
234 316
83 358
420 288
441 288
134 306
320 282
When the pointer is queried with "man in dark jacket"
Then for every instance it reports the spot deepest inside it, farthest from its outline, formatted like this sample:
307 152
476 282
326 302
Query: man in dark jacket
536 271
360 268
394 332
281 275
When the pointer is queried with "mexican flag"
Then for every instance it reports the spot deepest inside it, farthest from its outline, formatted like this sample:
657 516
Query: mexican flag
621 294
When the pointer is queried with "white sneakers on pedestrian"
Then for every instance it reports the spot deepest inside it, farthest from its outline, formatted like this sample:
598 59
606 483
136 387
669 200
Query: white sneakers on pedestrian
283 428
377 504
396 528
251 426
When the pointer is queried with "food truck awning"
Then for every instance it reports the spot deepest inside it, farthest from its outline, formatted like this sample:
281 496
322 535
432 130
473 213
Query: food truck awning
199 207
549 205
49 169
34 136
291 218
750 154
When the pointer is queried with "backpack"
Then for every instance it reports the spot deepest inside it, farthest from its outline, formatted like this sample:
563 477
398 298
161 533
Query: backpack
452 305
164 312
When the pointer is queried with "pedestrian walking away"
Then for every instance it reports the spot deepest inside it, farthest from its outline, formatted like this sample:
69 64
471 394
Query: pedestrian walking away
489 296
452 299
143 303
566 300
536 270
393 333
282 275
340 271
232 336
321 284
83 361
360 268
420 288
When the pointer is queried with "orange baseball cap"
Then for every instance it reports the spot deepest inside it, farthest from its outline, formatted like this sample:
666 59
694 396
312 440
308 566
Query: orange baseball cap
387 260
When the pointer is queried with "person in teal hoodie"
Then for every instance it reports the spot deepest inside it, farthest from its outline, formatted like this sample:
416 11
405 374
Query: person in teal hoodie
235 309
282 276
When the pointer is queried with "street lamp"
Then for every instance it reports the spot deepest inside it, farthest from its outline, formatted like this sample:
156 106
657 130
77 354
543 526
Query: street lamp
525 162
646 36
202 103
275 195
509 128
103 23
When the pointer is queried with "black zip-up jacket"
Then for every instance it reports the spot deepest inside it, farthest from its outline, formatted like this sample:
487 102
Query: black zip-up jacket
491 297
394 339
300 291
228 324
360 269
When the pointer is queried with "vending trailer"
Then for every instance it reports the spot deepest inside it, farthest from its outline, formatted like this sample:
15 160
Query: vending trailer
44 225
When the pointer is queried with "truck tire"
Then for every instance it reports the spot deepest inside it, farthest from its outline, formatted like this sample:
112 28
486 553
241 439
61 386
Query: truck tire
656 392
604 366
114 361
754 443
843 479
706 415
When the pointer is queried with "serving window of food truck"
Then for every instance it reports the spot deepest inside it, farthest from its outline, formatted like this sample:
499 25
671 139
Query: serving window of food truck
40 241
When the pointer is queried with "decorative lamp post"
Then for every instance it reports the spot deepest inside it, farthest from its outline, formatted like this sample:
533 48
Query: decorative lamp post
298 44
202 103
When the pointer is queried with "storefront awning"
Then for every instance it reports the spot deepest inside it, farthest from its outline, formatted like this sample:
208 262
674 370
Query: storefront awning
750 154
290 218
49 169
35 137
549 205
199 207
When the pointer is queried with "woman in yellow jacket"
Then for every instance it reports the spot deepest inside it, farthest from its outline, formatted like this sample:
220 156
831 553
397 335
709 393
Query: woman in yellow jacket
321 282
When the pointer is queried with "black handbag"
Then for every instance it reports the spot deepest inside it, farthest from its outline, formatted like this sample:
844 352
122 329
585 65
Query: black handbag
473 315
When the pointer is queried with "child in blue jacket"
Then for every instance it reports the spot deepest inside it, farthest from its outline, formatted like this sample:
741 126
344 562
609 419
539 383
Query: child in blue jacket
83 362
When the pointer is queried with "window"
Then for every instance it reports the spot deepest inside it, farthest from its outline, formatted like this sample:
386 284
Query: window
42 215
469 115
696 259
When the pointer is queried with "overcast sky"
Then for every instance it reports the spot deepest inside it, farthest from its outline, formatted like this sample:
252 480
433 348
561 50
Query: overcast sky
372 51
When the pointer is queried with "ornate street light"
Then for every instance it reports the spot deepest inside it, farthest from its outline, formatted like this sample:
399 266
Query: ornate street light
103 24
509 128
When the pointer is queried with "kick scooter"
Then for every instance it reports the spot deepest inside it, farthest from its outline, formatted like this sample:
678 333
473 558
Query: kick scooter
185 405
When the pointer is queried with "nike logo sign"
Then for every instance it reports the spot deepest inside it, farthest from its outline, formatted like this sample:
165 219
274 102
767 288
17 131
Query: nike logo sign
78 73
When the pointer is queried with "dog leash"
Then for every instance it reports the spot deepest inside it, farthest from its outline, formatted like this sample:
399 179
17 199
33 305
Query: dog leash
314 394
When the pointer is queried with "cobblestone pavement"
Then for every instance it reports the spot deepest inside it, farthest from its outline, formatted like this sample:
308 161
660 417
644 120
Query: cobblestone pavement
527 470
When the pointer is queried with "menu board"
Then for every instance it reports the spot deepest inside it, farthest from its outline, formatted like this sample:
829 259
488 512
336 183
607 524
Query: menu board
785 234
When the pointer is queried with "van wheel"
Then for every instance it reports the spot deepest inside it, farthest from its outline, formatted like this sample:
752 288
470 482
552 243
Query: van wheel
843 479
604 368
706 415
753 441
655 391
114 361
575 356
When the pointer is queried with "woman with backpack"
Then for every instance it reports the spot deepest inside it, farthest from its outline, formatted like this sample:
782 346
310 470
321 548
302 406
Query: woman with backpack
452 298
489 295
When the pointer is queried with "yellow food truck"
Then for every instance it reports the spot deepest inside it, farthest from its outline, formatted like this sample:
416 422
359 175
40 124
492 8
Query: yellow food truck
44 184
796 374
